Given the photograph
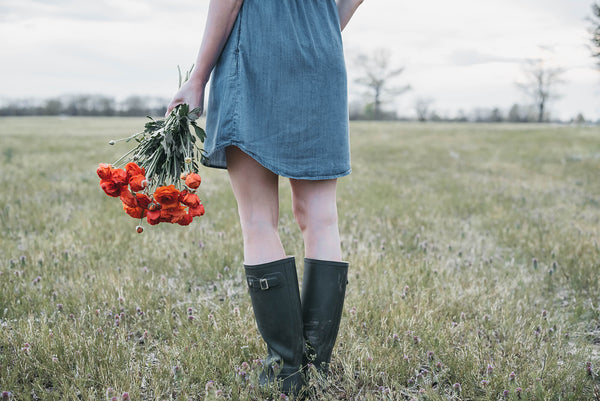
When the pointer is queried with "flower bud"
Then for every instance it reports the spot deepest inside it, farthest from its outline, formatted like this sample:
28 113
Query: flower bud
139 229
111 142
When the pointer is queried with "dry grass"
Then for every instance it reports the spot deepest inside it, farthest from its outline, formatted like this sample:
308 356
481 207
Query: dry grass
474 271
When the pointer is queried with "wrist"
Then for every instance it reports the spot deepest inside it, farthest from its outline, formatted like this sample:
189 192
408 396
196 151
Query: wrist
198 78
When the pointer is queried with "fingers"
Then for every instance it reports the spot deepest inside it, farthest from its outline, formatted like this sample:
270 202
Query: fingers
174 103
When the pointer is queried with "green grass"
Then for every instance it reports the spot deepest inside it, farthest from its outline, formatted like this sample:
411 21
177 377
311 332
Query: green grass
473 248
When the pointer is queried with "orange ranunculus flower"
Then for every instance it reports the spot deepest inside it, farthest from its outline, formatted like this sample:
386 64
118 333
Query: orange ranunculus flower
110 188
133 170
189 199
128 198
104 171
196 211
193 180
172 215
167 196
153 217
119 176
138 182
135 212
185 220
143 200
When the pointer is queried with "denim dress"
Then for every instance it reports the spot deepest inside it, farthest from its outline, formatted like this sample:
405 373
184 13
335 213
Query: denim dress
279 92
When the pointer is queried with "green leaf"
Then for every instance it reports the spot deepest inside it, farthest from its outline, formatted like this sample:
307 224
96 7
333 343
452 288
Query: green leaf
194 114
200 133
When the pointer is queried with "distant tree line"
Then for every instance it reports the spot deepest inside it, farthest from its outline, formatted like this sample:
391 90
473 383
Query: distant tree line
424 111
85 105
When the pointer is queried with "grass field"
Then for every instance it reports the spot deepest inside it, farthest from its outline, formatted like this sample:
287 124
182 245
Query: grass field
474 271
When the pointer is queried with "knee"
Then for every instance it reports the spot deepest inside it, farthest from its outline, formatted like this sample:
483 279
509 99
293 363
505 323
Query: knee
256 223
316 217
300 213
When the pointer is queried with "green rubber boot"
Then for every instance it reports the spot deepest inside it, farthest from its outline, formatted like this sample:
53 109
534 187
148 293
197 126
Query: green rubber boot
275 299
323 292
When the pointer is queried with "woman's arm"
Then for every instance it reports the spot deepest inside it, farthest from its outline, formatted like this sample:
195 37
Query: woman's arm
220 20
346 9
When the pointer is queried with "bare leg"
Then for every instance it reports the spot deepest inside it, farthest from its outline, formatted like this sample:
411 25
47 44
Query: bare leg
315 209
256 191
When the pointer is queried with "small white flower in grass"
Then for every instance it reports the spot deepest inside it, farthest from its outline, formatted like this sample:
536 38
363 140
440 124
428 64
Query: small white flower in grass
110 392
457 387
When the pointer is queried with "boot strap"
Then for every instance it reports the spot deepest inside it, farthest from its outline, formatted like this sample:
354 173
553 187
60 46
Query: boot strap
264 283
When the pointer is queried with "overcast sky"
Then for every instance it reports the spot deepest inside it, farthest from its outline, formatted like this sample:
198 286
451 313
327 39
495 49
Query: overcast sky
461 54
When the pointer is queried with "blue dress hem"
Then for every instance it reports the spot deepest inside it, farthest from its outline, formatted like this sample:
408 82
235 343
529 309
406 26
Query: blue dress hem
206 162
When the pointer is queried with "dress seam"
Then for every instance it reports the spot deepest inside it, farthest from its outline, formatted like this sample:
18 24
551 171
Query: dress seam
236 114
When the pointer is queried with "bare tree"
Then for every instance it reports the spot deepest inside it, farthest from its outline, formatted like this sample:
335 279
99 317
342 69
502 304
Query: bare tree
377 75
595 30
540 84
422 107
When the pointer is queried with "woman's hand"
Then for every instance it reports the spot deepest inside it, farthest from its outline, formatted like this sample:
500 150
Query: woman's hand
192 93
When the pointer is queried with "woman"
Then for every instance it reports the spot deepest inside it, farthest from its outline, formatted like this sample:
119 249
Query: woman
278 106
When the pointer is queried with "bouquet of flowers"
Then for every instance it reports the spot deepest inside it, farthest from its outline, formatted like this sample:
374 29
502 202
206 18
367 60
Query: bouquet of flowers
159 176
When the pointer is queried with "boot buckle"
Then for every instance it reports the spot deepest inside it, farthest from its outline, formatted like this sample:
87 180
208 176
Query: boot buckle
264 284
